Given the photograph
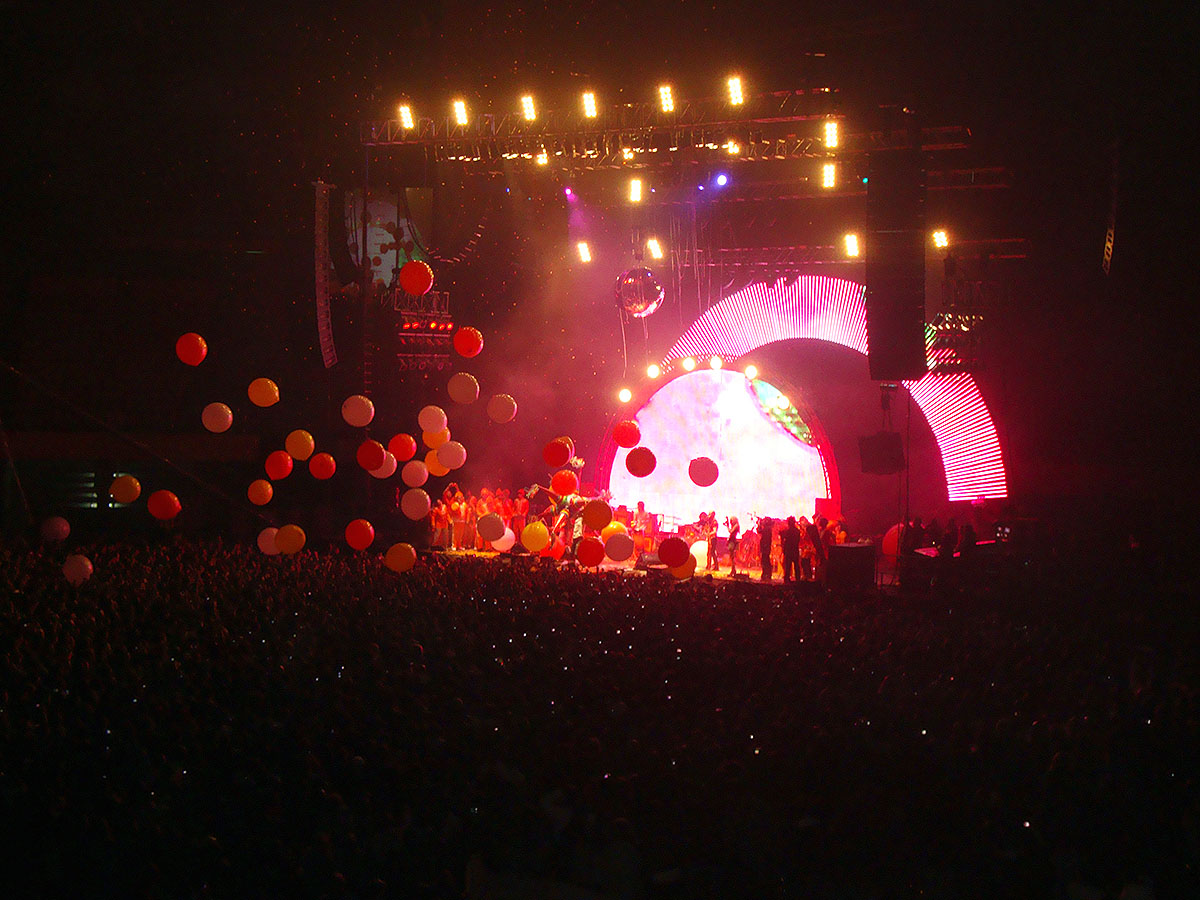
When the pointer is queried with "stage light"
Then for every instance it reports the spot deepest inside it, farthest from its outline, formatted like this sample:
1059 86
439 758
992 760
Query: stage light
653 370
735 90
851 242
722 180
828 175
635 190
941 239
406 117
589 105
625 395
626 153
460 112
716 362
568 192
655 248
831 133
751 371
585 254
543 158
665 99
733 148
527 109
689 363
783 402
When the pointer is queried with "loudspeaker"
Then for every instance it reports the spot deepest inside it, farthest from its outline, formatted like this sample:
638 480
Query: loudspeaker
850 567
895 265
881 454
339 242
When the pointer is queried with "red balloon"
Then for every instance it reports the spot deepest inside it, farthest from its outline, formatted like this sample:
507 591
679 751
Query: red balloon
555 550
564 482
191 348
673 551
416 277
590 552
468 342
371 455
703 471
279 465
322 466
163 505
359 534
557 452
403 447
640 462
627 434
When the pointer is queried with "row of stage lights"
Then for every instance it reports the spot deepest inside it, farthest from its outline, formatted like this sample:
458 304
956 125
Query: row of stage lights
850 244
688 364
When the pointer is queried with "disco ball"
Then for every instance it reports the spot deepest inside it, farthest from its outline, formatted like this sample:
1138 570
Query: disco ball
638 292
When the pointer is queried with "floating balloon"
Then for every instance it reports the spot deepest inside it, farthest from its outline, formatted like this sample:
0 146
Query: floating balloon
640 462
125 489
627 434
687 570
435 439
263 392
452 455
217 417
555 550
260 492
290 539
191 348
618 547
556 453
278 465
463 388
610 529
299 444
266 541
535 537
673 551
55 529
490 527
388 469
699 551
415 473
501 408
703 471
400 557
77 569
564 482
359 534
415 504
468 342
590 552
638 292
434 465
416 277
506 542
163 505
358 411
890 545
596 514
432 419
371 455
403 446
322 466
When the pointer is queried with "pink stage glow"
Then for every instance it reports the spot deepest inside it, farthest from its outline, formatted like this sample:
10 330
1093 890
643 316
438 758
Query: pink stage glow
822 308
765 470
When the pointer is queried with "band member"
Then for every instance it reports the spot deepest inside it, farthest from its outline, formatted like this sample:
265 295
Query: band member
643 523
710 539
735 530
520 512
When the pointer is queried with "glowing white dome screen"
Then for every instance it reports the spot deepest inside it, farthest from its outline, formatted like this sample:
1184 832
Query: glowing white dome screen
765 469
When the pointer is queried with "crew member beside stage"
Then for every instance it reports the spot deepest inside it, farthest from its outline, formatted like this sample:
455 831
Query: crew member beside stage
789 540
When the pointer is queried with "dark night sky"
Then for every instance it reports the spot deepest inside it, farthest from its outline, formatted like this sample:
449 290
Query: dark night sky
136 119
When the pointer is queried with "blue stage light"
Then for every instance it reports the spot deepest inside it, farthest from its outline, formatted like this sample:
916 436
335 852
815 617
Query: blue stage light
722 180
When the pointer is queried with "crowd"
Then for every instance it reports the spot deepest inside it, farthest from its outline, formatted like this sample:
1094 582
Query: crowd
200 720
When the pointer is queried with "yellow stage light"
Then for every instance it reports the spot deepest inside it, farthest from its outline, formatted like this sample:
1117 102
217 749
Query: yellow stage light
406 117
625 395
585 254
655 248
828 175
653 370
941 239
527 109
635 190
543 158
851 242
735 90
589 105
716 362
688 364
460 112
733 148
831 133
626 153
665 98
751 371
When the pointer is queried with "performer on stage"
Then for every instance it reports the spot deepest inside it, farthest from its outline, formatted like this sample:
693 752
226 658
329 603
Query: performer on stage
642 523
735 530
710 538
765 535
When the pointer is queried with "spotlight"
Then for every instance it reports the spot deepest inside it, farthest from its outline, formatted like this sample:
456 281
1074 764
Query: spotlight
543 158
589 105
625 395
460 112
688 364
831 133
585 254
735 90
715 363
828 175
527 109
635 190
406 117
732 147
851 242
653 370
665 99
722 180
941 239
569 193
783 402
752 371
655 248
626 153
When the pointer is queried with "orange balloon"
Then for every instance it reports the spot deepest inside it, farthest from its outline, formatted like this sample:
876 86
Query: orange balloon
290 539
435 439
612 528
260 492
300 444
263 392
400 557
125 489
434 465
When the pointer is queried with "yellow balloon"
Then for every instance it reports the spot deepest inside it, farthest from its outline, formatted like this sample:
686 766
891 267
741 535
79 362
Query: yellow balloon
260 492
434 465
435 439
300 444
289 539
687 570
125 489
535 537
400 557
263 392
612 528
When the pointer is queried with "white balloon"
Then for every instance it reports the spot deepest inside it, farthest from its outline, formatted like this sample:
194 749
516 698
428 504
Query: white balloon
266 541
463 388
358 411
490 527
388 469
415 504
77 569
452 455
502 408
505 543
619 547
415 473
432 419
